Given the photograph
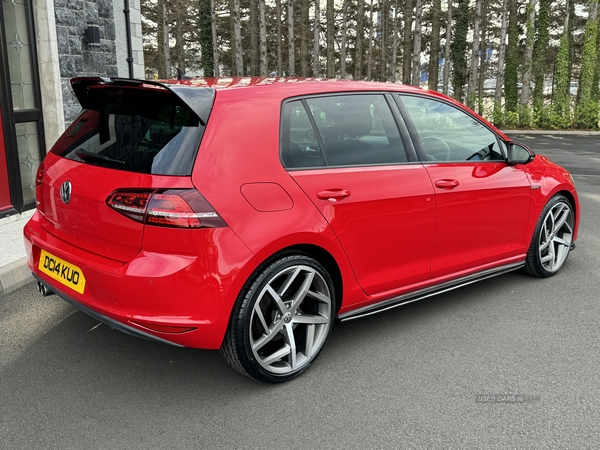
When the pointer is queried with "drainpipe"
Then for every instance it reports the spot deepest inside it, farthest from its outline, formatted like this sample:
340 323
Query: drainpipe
128 33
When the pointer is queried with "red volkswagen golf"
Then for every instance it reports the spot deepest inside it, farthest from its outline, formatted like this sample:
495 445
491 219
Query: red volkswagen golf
246 215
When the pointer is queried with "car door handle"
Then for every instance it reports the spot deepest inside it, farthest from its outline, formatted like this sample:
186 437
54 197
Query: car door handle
446 184
333 195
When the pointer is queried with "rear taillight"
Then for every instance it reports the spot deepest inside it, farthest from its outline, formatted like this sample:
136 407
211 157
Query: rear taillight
181 208
39 174
130 203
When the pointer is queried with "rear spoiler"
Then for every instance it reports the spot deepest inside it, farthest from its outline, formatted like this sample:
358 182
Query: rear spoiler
198 99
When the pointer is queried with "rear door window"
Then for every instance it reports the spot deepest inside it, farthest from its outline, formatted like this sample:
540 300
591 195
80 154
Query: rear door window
137 130
341 130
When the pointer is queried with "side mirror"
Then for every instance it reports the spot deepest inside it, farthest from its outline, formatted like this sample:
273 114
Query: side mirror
519 153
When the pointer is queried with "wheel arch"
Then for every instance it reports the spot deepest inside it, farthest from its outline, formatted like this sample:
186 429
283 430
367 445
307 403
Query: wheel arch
327 260
572 201
319 254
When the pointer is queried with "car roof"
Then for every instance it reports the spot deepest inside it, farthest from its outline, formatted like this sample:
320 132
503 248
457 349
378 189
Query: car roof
285 87
285 83
275 86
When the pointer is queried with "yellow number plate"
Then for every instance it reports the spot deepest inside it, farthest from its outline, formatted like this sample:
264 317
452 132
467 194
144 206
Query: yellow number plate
65 273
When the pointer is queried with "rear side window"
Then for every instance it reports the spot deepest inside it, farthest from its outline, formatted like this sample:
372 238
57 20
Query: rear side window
137 130
299 144
341 130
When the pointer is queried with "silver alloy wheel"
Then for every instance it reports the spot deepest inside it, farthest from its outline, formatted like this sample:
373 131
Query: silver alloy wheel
556 236
290 319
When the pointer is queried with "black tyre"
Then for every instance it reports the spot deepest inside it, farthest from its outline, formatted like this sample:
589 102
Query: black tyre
281 319
552 239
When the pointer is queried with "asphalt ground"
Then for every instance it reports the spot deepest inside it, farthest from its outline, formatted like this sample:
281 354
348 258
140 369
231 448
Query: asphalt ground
508 363
579 154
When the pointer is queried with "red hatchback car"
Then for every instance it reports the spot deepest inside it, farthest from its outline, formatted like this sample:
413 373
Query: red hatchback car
247 214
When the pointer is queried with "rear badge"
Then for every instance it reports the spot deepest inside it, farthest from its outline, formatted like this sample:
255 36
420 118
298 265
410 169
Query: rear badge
65 192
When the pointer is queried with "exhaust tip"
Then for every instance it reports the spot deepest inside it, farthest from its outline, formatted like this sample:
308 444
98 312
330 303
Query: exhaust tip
44 290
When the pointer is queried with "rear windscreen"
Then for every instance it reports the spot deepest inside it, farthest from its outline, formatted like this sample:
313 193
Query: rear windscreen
138 130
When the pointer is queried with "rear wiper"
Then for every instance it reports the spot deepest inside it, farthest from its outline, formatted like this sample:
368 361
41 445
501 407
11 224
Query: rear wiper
89 156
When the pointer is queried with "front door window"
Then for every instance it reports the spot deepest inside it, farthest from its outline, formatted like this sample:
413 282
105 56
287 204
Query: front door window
448 134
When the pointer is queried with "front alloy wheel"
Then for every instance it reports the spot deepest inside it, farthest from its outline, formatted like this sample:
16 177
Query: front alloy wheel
282 321
552 240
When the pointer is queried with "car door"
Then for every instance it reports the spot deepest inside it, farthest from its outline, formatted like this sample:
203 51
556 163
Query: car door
346 153
482 202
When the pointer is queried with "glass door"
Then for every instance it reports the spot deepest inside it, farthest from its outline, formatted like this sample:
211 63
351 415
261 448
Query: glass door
20 98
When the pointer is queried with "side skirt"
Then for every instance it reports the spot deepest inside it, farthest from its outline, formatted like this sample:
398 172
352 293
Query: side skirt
428 292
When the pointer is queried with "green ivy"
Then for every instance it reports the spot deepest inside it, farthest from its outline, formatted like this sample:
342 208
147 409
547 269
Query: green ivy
541 114
205 37
587 115
498 116
525 116
560 116
587 108
511 119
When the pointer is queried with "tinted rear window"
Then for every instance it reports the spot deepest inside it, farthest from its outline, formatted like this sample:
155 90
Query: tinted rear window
134 129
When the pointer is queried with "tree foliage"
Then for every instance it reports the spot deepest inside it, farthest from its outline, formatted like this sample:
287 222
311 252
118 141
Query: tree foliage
561 109
205 37
586 107
458 48
540 49
551 43
524 111
511 90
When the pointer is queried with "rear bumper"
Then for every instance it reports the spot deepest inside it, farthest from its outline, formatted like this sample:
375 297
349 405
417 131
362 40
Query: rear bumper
195 291
104 319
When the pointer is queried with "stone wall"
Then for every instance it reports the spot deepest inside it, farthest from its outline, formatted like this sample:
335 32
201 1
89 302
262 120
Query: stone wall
49 68
77 58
